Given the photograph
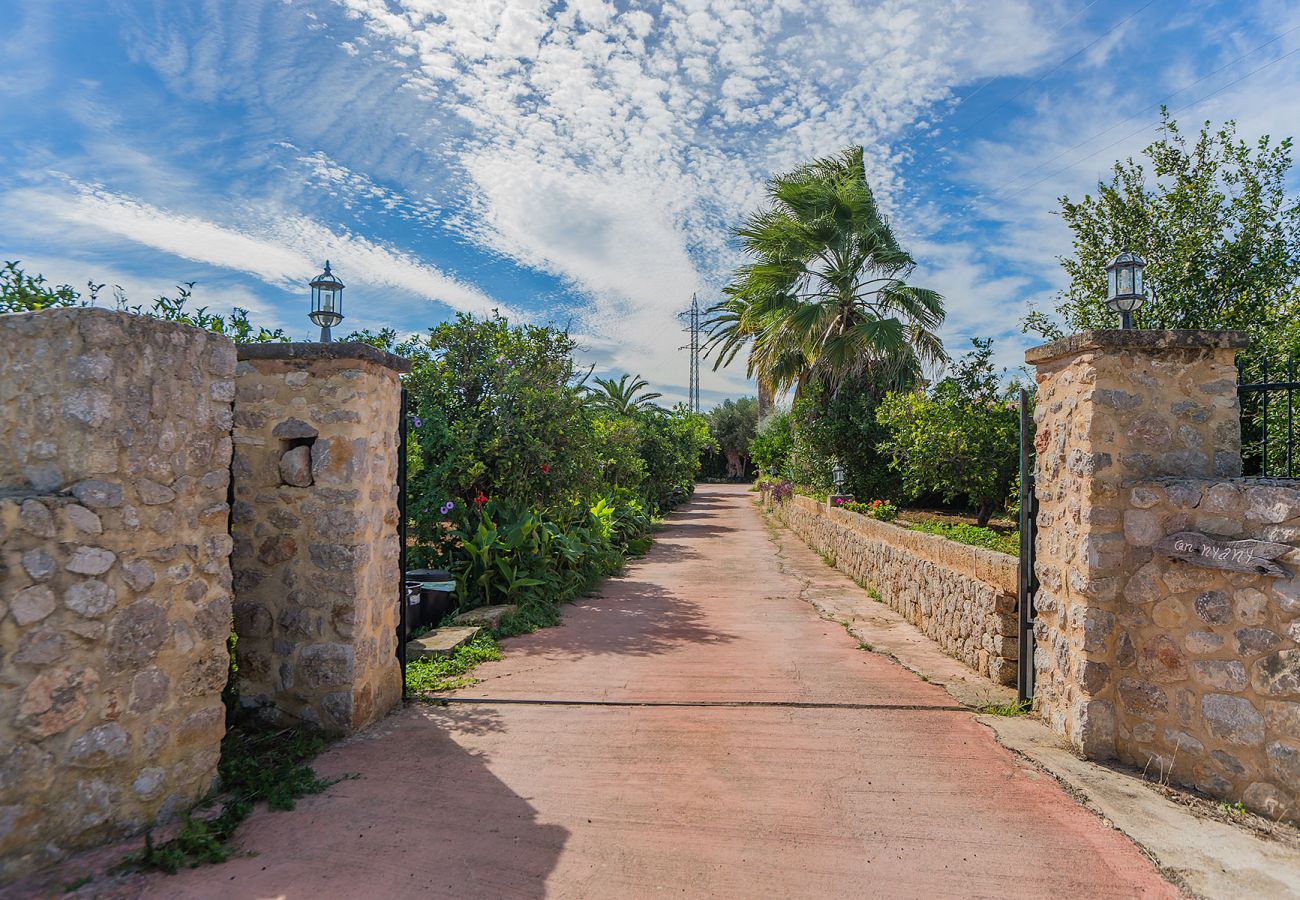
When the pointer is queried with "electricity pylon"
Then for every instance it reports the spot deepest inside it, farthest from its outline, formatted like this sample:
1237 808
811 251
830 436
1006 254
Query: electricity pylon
692 317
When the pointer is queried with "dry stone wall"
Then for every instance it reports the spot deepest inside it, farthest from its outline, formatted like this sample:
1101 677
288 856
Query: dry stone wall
964 598
1207 661
115 581
315 525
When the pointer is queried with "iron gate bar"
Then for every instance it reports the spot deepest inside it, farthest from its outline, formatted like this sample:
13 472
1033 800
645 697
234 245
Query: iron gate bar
401 538
1255 421
1027 580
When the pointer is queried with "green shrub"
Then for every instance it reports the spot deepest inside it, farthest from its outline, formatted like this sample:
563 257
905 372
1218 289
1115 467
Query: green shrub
973 535
960 440
773 444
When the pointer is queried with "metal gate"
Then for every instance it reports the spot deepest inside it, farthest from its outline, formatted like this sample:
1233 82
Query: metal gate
400 587
1028 581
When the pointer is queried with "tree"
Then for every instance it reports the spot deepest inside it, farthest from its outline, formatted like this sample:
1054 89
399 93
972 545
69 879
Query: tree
773 443
1215 225
623 397
960 440
732 424
496 417
825 296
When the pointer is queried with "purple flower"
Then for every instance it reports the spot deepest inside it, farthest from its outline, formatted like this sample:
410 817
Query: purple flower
415 420
446 507
510 362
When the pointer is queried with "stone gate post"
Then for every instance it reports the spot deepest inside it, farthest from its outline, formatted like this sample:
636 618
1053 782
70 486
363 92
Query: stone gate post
315 515
1115 408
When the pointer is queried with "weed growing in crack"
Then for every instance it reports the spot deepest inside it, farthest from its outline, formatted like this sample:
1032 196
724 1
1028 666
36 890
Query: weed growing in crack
863 645
448 672
1014 708
256 766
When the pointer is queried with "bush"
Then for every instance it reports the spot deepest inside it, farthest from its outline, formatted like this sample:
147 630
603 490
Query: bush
524 484
961 439
772 444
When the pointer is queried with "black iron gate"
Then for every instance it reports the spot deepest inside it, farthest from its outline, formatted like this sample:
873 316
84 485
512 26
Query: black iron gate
1268 425
1028 581
401 537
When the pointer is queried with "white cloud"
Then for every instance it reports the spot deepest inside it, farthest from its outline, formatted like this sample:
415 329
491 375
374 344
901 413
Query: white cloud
281 250
615 150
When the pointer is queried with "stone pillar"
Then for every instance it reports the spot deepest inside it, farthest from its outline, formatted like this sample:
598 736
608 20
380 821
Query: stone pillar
1113 408
114 575
316 559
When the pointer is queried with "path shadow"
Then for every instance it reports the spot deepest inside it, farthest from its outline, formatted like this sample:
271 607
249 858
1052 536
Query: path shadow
422 816
629 618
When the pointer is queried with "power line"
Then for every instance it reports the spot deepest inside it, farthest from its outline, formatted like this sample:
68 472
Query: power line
1138 131
1059 29
993 193
1084 49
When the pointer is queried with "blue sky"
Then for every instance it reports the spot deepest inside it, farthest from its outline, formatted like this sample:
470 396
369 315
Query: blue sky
580 163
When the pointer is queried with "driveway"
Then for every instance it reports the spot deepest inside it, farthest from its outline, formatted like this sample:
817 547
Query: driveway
696 730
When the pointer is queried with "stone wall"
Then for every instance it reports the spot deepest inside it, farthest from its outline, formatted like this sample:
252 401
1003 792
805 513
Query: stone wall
1207 661
1113 407
114 575
315 527
962 597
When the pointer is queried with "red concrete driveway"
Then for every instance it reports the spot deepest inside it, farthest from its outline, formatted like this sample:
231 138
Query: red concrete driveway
696 730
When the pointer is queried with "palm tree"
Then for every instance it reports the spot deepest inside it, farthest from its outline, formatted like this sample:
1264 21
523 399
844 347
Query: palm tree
825 296
621 397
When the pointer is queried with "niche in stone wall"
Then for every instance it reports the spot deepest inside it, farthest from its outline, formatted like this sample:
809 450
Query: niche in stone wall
296 440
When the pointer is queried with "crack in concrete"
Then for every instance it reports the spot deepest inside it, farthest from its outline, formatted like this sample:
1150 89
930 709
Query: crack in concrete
691 704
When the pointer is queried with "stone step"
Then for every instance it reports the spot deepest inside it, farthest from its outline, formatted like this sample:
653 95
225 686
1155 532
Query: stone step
489 616
441 642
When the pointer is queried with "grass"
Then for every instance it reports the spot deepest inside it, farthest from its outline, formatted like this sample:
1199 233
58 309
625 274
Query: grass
973 535
828 559
1012 709
257 766
1238 808
863 645
449 672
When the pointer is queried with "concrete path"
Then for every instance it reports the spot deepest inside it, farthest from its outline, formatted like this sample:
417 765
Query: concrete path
696 730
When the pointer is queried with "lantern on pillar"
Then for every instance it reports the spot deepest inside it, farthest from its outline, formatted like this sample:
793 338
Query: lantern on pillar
1125 290
326 302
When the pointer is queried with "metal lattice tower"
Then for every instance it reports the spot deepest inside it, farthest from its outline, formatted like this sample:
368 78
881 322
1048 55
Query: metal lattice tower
692 319
695 354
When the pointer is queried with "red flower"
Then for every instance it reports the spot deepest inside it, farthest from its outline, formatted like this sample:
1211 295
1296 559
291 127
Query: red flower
481 498
546 470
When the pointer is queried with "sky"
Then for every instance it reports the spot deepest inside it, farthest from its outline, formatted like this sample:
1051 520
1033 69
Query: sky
582 163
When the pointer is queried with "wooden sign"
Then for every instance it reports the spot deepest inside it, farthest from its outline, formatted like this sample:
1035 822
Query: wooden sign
1254 557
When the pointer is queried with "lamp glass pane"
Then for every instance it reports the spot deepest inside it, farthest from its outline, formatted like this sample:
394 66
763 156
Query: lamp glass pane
1126 280
327 300
1111 282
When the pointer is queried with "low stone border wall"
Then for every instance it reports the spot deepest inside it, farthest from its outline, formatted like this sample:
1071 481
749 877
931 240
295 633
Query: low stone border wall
962 597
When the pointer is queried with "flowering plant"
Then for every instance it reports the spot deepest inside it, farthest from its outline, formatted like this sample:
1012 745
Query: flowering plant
875 509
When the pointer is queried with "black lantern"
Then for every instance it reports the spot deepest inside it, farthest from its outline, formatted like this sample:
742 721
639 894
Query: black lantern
326 302
1125 290
837 476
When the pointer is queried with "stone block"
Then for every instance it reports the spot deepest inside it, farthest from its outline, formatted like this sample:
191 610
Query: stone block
442 641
